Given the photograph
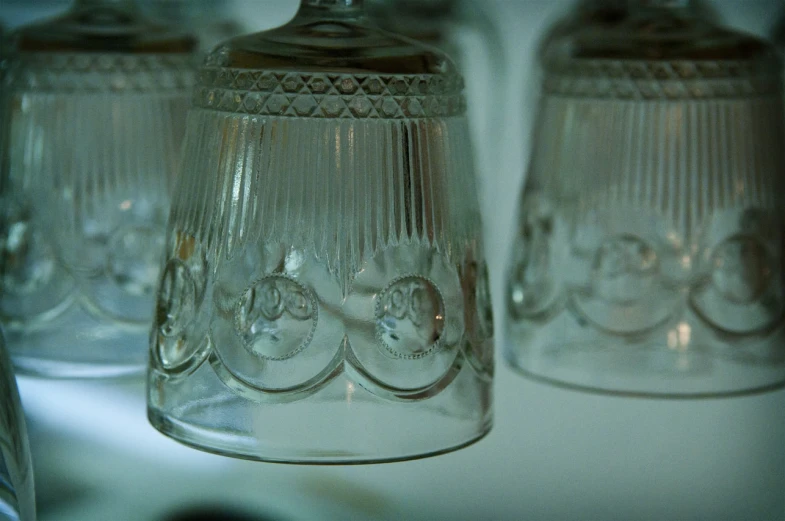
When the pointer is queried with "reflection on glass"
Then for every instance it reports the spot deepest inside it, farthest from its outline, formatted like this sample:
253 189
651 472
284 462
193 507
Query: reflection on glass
324 297
649 255
17 492
96 102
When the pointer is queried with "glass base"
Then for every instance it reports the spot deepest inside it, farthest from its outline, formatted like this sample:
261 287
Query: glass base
222 444
64 370
649 365
622 389
79 345
339 424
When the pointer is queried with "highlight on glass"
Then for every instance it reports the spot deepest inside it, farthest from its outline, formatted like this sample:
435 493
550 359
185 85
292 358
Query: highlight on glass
324 297
648 258
95 102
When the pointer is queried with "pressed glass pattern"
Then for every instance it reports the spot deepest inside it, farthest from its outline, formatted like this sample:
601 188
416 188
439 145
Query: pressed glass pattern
324 296
649 252
97 109
17 491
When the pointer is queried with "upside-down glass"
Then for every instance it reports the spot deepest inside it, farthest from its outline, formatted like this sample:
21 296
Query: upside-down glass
97 106
649 253
17 491
325 298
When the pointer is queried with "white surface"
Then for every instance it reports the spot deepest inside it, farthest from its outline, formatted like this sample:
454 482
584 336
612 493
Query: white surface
553 454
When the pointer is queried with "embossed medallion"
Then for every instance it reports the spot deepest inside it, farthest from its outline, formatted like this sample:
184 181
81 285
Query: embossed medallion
175 312
533 288
743 292
28 263
32 282
410 317
742 269
625 269
276 317
133 259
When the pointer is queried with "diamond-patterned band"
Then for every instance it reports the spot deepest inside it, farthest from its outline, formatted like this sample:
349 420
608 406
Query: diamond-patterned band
627 79
97 72
330 95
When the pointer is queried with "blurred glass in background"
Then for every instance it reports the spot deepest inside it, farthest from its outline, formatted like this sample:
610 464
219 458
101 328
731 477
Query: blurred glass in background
95 112
648 258
553 454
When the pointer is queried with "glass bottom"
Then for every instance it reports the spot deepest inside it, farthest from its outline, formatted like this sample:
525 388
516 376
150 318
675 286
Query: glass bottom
652 365
222 444
77 344
339 424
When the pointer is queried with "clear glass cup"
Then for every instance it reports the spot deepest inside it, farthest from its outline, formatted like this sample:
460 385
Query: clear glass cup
96 102
648 258
17 490
324 297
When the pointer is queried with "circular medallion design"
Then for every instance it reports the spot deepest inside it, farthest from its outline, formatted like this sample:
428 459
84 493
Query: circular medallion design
28 264
626 295
743 293
741 269
175 311
410 317
276 317
32 281
625 269
532 287
133 259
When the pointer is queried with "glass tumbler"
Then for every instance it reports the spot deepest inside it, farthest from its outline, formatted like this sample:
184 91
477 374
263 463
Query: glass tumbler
96 103
17 491
324 297
648 258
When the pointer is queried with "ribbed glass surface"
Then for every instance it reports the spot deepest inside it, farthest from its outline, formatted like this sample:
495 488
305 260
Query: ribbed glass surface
325 296
649 255
93 144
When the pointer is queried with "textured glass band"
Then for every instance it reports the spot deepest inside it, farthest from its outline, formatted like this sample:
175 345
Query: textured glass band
318 95
633 79
102 72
